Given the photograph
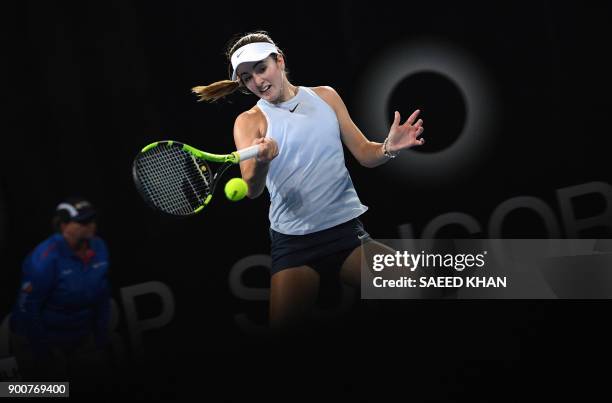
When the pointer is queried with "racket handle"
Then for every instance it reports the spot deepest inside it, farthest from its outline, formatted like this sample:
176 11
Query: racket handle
248 153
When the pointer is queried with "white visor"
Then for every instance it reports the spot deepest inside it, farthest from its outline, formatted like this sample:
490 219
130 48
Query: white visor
253 52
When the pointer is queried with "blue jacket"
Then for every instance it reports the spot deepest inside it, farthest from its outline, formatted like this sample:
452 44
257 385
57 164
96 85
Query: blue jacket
63 298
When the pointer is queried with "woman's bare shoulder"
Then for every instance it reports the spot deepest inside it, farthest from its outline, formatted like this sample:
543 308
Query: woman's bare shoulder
328 94
252 120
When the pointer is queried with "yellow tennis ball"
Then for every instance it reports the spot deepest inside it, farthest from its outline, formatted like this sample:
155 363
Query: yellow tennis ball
236 189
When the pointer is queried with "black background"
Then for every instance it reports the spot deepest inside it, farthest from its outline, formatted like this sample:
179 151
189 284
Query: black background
88 84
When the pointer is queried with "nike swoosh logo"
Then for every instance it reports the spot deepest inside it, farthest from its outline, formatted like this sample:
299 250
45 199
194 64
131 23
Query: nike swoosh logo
294 108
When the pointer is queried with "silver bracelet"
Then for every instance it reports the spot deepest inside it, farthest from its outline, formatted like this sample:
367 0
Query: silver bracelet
386 152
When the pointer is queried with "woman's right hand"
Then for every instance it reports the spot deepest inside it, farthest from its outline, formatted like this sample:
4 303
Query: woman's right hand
268 149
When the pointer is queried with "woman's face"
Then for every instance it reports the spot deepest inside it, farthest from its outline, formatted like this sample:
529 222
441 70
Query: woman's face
263 78
79 231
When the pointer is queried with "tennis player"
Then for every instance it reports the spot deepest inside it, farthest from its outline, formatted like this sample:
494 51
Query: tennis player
314 208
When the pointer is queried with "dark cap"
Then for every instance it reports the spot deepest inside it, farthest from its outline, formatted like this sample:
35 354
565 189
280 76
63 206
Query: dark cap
77 210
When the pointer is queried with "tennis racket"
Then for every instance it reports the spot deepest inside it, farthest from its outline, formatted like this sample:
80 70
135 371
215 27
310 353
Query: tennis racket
176 178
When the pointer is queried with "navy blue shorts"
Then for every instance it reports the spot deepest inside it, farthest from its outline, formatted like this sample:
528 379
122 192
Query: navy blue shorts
325 251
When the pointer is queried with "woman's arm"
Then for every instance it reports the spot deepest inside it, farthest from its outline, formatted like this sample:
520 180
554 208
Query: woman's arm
250 129
369 153
38 281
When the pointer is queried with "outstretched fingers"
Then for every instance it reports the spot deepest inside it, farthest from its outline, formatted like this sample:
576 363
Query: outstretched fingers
413 117
396 119
419 131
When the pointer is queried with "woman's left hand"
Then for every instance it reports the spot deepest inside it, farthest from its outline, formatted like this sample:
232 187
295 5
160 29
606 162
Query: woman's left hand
406 135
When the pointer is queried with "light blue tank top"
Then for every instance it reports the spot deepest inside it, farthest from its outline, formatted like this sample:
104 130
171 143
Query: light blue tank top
309 185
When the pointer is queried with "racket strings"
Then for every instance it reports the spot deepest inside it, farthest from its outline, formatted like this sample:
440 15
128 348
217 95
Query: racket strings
173 180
